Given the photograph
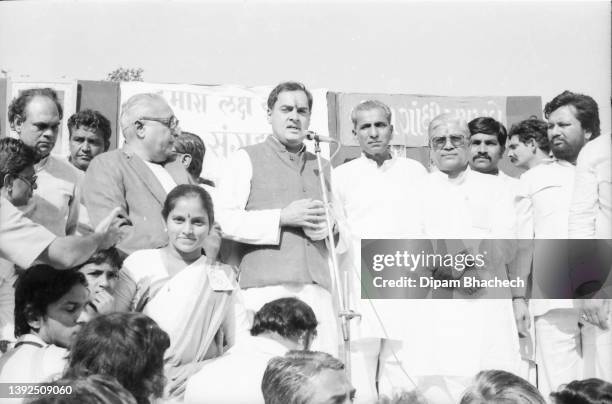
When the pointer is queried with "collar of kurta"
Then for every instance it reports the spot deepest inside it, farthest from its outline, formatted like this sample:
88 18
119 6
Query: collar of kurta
384 166
460 179
278 146
260 343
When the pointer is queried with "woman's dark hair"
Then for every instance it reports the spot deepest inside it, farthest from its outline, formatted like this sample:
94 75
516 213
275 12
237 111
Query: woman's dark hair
36 289
127 346
15 157
189 191
498 386
92 389
588 391
289 317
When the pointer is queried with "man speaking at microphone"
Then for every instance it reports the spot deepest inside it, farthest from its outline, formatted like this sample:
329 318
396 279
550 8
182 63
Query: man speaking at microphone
270 204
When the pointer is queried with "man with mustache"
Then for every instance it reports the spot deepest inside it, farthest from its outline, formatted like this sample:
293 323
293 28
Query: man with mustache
270 203
90 134
36 116
543 202
487 145
528 145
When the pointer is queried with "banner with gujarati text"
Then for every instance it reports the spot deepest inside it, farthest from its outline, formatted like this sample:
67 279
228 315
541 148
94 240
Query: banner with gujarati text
225 117
411 114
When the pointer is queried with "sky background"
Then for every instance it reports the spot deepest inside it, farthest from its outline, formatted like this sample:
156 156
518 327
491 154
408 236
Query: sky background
434 48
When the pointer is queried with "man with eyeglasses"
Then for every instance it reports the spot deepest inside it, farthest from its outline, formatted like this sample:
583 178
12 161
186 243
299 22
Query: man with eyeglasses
138 176
454 339
24 242
36 116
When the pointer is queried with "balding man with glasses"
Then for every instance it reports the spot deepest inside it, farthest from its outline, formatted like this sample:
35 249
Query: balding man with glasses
138 176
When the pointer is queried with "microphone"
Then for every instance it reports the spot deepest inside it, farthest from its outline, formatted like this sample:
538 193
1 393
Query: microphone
310 135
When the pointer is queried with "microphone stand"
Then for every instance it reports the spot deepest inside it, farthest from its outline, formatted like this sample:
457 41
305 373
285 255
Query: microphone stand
344 313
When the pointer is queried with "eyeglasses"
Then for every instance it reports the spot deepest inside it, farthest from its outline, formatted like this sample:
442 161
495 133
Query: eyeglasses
171 123
31 181
440 141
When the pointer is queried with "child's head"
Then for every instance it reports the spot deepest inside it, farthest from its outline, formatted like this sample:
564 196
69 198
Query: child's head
49 303
101 270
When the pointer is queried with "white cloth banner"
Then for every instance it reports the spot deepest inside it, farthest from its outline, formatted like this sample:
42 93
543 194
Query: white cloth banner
226 117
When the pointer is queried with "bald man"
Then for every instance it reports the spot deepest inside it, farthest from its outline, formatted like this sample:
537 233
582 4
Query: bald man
139 176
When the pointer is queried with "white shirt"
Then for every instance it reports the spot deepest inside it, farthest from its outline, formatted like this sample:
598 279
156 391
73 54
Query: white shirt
509 181
56 201
21 239
32 362
591 208
543 202
376 202
459 337
253 226
163 176
380 202
472 205
236 376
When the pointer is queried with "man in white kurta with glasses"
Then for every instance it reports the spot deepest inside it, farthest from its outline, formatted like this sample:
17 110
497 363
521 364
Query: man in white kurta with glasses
448 341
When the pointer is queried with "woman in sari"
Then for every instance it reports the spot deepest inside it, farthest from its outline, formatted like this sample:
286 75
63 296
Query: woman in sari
190 295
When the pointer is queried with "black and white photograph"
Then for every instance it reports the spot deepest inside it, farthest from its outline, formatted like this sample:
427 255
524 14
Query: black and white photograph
305 202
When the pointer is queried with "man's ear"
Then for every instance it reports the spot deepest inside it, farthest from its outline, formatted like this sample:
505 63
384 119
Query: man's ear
186 160
269 115
588 134
532 145
139 129
17 124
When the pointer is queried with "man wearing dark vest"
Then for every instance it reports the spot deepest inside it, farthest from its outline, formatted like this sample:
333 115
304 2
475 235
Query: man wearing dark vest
270 204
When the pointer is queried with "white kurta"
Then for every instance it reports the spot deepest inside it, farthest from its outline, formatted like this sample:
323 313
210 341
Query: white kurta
543 202
591 207
460 337
591 217
376 203
261 227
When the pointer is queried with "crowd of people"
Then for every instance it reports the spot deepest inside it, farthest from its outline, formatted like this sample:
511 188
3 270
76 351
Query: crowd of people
125 277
